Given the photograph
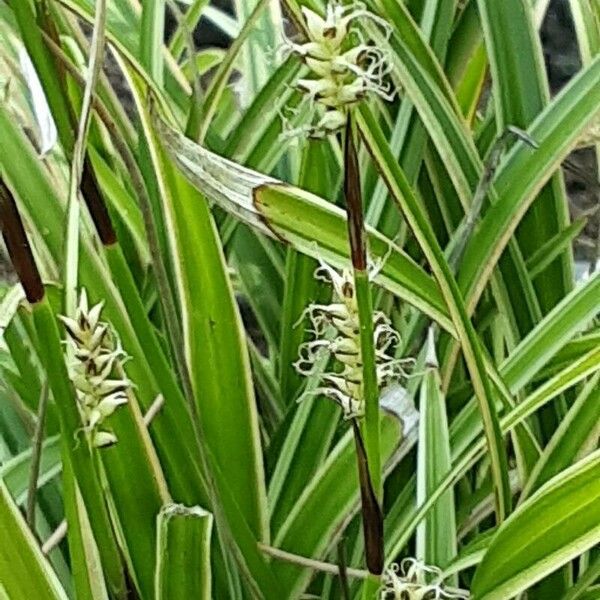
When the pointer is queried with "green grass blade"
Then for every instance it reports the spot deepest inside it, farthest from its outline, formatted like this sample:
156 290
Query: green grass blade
471 347
556 524
567 319
151 38
436 536
539 260
213 338
468 449
520 93
306 222
585 581
178 41
15 471
252 126
529 357
24 572
525 172
219 81
183 553
86 564
574 431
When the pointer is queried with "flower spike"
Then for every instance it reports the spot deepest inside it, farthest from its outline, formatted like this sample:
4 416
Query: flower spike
94 356
336 331
344 67
407 581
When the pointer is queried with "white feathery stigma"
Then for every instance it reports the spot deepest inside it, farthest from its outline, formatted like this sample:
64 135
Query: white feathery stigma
344 67
407 581
336 330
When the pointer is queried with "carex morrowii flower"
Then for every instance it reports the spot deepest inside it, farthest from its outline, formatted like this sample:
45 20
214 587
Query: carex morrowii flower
95 360
407 581
336 330
344 67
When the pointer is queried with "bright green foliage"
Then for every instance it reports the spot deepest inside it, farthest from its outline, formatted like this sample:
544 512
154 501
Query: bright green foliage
205 207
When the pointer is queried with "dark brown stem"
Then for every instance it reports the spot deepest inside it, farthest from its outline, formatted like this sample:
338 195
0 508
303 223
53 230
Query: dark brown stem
354 209
96 205
371 511
18 247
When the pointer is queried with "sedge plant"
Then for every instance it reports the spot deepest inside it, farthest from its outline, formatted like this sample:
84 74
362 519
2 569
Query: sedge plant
298 317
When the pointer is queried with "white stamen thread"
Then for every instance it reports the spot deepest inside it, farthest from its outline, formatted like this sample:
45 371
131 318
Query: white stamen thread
336 330
407 581
94 356
345 68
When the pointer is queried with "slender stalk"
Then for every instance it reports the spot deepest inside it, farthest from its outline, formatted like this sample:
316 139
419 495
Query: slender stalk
358 252
71 263
311 563
36 456
343 570
369 453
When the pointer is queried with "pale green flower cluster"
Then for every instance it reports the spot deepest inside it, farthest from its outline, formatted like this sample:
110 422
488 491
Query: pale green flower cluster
337 331
407 581
344 67
94 355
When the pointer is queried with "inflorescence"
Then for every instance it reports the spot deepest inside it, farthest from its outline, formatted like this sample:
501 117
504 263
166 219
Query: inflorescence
344 67
94 356
407 581
336 330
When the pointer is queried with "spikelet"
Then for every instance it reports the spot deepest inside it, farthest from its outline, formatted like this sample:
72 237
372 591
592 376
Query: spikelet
336 330
344 67
94 356
407 581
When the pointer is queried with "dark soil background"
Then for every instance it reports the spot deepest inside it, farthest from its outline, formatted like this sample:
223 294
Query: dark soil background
562 61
